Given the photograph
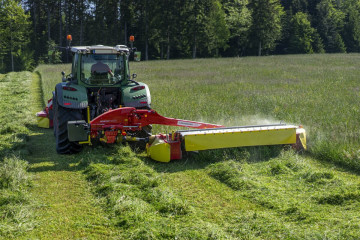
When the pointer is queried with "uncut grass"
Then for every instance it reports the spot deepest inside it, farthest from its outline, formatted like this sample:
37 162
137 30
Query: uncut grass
252 192
16 204
51 76
320 92
251 73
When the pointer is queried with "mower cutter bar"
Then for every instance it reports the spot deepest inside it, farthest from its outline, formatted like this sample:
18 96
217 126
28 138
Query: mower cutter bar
168 147
239 137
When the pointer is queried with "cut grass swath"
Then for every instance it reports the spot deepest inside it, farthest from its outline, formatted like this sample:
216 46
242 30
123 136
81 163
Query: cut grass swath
16 204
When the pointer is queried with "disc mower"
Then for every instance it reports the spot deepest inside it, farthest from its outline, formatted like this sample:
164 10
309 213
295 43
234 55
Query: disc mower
101 101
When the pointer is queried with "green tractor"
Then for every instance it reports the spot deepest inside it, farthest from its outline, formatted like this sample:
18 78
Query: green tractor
99 81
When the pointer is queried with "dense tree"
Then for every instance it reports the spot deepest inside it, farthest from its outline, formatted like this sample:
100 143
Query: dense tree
167 29
169 20
330 23
301 35
217 31
266 25
295 5
196 24
39 36
238 20
351 30
14 28
317 45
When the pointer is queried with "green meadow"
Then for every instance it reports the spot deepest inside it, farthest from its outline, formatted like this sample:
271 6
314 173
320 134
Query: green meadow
244 193
16 201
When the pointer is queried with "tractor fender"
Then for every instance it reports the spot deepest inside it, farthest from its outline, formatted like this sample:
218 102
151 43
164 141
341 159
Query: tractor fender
136 95
71 95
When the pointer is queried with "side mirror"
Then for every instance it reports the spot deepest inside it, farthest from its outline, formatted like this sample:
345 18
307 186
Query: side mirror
63 76
134 75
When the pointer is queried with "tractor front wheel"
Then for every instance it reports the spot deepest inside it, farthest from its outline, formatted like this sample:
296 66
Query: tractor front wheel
61 117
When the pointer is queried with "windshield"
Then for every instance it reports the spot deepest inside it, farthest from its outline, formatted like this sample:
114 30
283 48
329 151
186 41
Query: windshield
102 69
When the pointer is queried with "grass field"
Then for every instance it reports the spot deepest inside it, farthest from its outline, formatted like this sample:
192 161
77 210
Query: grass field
246 193
16 204
320 92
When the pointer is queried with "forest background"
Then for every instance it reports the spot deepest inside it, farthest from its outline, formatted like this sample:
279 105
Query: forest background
32 30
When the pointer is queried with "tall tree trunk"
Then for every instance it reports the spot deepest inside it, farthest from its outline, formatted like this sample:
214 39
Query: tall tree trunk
168 46
67 28
125 33
35 34
12 61
194 47
48 23
118 33
81 16
146 32
162 50
35 20
146 50
259 50
60 24
66 17
11 49
81 27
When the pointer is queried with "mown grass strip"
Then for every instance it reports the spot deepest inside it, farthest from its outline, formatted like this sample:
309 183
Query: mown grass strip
16 204
67 208
15 115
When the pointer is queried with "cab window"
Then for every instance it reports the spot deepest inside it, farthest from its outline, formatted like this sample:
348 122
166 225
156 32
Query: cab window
74 65
102 69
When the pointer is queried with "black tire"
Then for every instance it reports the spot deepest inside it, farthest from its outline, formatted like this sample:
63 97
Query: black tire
55 115
61 117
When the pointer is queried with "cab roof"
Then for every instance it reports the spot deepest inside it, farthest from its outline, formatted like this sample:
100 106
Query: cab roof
100 49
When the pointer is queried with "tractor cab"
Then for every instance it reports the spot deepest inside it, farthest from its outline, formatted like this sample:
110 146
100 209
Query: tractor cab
102 69
100 65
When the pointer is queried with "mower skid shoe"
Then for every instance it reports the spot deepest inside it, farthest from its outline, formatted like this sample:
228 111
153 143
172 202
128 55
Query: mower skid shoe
164 150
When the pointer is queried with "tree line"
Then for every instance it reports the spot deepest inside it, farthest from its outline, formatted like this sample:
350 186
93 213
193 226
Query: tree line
32 30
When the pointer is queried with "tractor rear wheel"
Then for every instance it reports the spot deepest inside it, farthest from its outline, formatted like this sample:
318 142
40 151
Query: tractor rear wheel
55 115
61 117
